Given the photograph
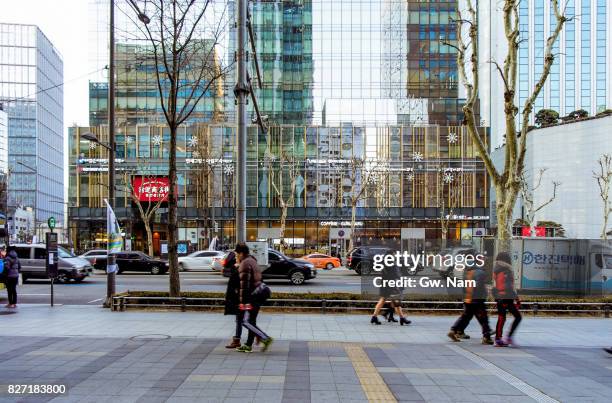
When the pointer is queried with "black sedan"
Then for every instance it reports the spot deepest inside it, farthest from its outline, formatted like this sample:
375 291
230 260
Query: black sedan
279 266
139 261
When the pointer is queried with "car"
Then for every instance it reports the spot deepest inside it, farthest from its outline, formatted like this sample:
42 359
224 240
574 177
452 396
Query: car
33 264
224 265
361 257
450 270
279 266
322 261
96 257
139 261
200 261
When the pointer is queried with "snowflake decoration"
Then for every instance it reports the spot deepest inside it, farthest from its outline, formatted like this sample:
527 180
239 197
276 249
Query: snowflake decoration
195 154
373 178
130 139
228 169
93 145
193 141
417 156
452 138
269 157
447 177
410 177
157 140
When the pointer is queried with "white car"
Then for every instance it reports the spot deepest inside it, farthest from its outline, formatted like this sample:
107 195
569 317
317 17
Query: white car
200 261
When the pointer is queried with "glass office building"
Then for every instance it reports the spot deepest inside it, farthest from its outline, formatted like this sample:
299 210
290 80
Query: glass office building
580 77
31 74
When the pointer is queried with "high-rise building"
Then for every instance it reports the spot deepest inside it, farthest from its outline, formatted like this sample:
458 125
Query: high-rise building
581 77
3 141
31 77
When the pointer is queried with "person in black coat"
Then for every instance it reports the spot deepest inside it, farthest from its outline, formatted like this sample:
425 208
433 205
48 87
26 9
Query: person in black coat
232 297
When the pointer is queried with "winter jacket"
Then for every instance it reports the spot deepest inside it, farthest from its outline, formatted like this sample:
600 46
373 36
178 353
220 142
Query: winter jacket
479 292
232 295
503 281
12 265
250 278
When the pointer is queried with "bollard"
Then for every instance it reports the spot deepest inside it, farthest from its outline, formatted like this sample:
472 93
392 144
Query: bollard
323 306
183 304
606 310
122 304
535 308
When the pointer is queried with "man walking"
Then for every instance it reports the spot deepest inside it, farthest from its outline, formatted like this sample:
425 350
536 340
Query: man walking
474 298
506 297
250 279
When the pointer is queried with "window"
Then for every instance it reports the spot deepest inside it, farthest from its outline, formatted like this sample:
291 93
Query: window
23 253
40 253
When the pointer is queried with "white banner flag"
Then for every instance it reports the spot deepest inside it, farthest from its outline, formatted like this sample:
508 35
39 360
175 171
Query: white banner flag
115 240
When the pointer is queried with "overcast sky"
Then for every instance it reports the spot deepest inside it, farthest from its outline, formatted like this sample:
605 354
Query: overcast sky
64 22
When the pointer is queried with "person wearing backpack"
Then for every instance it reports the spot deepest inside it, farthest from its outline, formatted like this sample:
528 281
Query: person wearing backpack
12 268
253 293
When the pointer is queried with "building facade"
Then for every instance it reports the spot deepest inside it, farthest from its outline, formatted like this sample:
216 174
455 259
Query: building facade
411 176
31 75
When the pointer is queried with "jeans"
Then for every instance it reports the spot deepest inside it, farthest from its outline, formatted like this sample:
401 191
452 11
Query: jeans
478 309
11 289
250 322
503 306
238 333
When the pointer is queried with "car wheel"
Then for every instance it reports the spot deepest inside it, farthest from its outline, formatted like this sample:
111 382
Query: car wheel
79 280
297 277
156 270
181 267
358 268
329 266
62 277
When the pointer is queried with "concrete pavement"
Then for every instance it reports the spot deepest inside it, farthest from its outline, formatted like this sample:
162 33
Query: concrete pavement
179 357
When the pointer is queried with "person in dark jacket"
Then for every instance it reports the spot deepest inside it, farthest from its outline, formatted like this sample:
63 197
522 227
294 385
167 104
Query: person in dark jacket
12 265
506 297
232 298
391 294
250 278
473 305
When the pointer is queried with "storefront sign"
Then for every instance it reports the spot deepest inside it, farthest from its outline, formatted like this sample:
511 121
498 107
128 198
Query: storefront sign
340 223
539 231
99 161
150 189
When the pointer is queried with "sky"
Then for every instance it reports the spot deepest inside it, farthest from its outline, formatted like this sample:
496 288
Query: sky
65 23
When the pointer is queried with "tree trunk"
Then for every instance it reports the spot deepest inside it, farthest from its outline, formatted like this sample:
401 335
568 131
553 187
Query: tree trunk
283 224
506 199
604 231
147 225
353 217
444 236
175 282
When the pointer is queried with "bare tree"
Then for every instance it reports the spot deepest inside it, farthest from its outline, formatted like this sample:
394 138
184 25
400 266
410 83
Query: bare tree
183 37
506 182
147 207
449 201
604 178
527 194
362 172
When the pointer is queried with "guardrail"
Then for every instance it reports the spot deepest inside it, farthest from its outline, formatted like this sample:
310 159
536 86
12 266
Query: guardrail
122 302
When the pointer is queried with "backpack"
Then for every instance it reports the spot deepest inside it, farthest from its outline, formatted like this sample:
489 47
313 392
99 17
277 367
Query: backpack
3 270
261 294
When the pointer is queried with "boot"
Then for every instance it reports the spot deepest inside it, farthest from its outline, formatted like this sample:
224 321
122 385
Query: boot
453 335
404 321
463 336
375 320
487 340
235 343
391 318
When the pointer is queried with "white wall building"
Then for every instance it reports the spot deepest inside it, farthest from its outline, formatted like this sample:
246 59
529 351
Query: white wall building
21 224
569 153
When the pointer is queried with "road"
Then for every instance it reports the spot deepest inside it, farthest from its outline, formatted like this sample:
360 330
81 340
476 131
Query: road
93 289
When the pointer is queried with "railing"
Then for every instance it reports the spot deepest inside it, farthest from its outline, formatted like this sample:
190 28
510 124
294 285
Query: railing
122 302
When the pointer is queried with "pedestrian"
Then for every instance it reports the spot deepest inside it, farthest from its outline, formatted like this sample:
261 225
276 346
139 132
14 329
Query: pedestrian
608 350
249 305
12 266
392 294
474 298
232 297
506 297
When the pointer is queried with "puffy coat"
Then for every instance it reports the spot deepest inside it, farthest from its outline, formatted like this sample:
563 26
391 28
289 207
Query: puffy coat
503 281
12 265
250 278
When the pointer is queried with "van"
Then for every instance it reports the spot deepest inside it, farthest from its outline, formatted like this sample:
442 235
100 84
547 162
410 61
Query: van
33 263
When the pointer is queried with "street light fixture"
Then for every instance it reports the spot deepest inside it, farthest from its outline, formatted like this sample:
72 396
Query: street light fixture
94 139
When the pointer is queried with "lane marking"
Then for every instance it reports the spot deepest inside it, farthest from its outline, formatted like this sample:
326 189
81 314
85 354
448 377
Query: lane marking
505 376
374 387
95 300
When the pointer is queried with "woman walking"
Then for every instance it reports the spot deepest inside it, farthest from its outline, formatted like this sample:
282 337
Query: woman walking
12 265
393 294
232 298
506 297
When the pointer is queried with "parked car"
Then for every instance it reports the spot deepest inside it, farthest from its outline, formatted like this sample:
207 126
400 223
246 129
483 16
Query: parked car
200 261
362 257
279 266
33 263
97 258
321 261
139 261
222 265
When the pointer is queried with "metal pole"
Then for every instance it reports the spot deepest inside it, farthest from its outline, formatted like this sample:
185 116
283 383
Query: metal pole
241 91
110 277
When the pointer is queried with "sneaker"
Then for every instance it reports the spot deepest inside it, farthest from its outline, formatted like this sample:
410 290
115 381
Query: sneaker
509 341
463 336
487 340
266 344
500 343
453 336
245 349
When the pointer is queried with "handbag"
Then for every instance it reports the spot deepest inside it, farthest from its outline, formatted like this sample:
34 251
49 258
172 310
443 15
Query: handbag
261 293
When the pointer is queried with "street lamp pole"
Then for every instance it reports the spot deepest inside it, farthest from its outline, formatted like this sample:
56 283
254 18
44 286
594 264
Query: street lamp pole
241 91
110 279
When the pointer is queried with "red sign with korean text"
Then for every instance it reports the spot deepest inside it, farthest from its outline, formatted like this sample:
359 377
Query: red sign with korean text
151 189
539 231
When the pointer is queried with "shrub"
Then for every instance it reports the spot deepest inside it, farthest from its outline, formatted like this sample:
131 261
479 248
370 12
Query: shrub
546 117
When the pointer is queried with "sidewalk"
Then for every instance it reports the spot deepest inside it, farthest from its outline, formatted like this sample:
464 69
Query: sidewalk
171 356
